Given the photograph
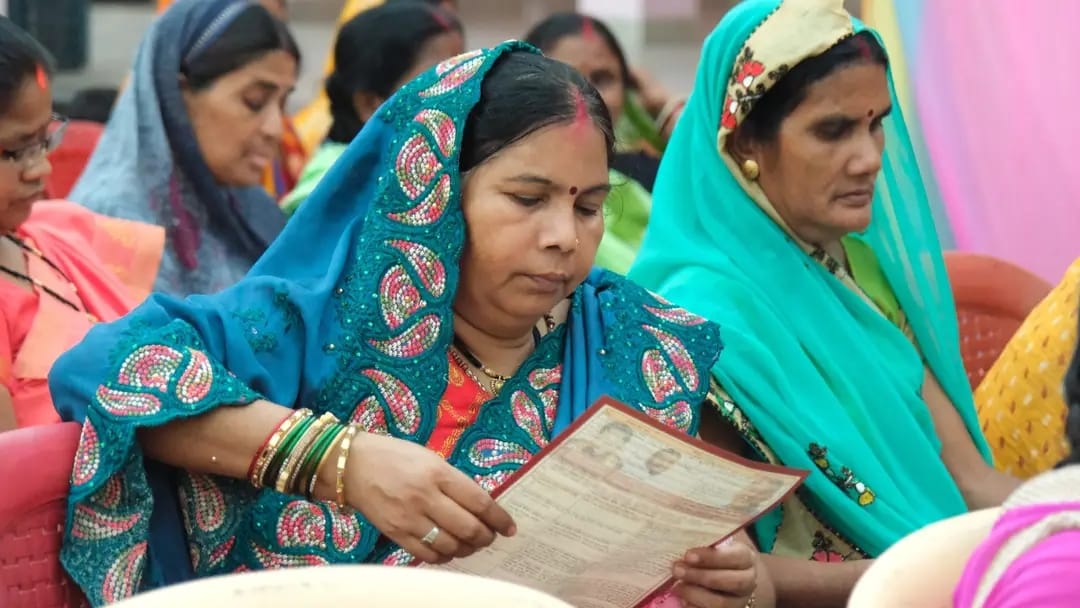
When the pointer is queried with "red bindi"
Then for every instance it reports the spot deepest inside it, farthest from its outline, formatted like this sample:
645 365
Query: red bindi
42 77
588 29
573 190
869 113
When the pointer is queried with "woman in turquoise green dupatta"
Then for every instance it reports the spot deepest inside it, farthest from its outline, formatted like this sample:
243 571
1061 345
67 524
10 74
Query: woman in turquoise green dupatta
778 216
436 292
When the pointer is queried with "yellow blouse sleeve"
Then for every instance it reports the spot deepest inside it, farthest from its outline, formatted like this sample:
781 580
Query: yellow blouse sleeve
1021 401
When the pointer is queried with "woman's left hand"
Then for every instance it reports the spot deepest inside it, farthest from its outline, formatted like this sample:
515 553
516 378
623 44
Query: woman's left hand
724 576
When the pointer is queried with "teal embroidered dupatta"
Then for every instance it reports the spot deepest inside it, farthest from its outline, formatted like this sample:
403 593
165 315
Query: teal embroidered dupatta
349 312
831 385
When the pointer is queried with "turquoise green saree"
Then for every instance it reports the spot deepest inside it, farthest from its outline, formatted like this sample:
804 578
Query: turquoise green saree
819 377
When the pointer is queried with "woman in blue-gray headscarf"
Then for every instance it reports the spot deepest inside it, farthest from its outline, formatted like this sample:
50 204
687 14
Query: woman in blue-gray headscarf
191 137
426 323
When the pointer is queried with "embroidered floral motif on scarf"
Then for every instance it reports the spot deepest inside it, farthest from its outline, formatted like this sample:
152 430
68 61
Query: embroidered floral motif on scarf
766 55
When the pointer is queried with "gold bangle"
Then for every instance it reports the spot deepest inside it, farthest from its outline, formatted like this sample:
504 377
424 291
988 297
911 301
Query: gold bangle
342 460
268 452
296 455
322 461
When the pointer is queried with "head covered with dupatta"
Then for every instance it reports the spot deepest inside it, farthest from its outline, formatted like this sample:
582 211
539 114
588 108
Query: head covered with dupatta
149 167
359 326
812 363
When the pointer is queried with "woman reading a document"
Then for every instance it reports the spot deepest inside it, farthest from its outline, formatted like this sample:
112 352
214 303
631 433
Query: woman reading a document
427 323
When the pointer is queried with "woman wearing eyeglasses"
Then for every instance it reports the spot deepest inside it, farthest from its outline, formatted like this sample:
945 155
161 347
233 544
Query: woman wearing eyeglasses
62 268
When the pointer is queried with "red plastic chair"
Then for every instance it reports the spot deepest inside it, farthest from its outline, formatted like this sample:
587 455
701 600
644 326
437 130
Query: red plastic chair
35 467
69 160
993 297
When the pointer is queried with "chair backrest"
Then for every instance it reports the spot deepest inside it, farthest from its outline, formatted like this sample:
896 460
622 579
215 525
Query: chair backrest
35 469
69 160
368 586
922 570
993 297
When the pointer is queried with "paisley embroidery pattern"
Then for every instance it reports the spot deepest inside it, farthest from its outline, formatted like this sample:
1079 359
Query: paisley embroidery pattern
209 502
417 166
453 62
87 457
400 557
550 400
680 415
398 398
271 559
398 297
122 576
127 403
542 378
454 78
91 524
528 417
413 341
441 126
110 494
489 453
658 377
430 209
678 355
151 366
425 263
218 554
195 382
345 530
301 525
370 416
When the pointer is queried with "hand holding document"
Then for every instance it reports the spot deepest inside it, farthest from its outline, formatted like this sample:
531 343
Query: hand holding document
605 510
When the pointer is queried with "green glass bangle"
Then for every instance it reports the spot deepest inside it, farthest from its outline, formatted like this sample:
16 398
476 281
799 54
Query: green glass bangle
282 454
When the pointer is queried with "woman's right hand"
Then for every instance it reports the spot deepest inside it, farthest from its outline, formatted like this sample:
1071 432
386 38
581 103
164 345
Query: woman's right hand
405 490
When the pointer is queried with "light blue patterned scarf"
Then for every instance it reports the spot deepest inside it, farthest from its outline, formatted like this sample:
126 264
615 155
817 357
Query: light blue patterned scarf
148 166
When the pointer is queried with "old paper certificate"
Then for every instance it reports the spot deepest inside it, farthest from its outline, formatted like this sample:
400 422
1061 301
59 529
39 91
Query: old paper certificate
606 509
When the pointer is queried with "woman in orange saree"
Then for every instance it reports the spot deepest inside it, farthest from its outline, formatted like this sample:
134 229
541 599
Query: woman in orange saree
62 268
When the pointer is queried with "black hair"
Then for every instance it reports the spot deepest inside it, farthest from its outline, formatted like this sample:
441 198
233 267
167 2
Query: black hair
546 34
374 51
523 93
20 58
763 122
253 33
94 104
1072 404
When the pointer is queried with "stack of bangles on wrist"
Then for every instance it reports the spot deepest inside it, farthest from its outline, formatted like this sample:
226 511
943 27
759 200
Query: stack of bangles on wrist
290 459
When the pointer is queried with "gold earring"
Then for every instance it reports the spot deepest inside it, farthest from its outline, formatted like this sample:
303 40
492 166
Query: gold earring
750 169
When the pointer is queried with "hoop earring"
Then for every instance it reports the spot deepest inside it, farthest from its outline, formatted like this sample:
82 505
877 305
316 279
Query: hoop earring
751 170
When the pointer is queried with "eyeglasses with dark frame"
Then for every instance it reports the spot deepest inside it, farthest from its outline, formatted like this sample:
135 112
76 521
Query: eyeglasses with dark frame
35 151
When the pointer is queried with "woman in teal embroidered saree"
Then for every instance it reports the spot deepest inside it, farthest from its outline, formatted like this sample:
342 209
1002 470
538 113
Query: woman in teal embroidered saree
447 254
789 210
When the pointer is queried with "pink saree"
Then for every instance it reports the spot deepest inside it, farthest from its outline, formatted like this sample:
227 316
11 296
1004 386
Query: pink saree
1032 556
111 265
